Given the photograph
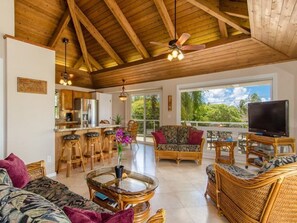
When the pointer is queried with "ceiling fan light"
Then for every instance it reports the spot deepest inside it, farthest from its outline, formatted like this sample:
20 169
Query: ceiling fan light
180 56
69 82
123 96
61 81
174 53
169 57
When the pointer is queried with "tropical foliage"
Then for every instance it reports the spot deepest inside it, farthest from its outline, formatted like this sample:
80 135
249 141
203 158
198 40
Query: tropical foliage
194 108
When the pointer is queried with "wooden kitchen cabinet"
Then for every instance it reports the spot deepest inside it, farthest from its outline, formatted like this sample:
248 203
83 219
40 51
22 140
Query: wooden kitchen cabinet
81 94
66 99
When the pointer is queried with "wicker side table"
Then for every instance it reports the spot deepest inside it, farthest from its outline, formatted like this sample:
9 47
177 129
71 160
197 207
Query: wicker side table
225 146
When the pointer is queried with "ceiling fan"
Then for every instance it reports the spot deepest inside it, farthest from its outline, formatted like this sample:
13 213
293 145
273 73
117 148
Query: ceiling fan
176 45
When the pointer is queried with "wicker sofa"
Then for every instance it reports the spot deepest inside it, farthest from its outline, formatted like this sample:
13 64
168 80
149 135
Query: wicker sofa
43 199
268 196
177 144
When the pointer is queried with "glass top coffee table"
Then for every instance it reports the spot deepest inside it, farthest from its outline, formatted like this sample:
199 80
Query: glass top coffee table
133 190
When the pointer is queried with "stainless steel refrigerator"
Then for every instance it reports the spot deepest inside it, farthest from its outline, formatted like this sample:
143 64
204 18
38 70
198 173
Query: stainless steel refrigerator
86 111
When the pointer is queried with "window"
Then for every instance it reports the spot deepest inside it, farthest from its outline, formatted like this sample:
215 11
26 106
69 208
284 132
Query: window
145 109
221 111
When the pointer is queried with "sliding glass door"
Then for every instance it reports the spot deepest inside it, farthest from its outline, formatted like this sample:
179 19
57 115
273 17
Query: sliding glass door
145 109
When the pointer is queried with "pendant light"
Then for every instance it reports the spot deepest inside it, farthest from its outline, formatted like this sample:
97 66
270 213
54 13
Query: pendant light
123 96
65 77
176 52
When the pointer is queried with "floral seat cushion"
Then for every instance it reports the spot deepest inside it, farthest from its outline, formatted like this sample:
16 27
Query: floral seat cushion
4 178
234 170
60 195
182 134
188 148
170 133
92 134
276 162
168 147
20 206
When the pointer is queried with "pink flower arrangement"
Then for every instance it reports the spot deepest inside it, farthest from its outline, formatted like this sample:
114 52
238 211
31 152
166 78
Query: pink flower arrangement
121 138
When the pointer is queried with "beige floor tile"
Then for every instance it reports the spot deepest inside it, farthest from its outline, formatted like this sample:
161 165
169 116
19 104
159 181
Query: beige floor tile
181 186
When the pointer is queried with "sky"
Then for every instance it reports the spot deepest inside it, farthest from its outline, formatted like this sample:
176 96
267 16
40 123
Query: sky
232 96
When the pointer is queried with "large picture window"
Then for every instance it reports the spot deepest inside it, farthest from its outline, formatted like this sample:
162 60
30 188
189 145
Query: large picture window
222 110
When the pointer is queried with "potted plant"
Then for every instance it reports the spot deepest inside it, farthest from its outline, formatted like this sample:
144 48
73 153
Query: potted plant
121 138
118 119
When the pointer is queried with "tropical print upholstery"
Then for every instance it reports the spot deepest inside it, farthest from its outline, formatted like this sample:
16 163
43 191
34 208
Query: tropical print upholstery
234 170
170 133
60 195
182 135
276 162
188 148
92 134
168 147
4 178
20 206
71 137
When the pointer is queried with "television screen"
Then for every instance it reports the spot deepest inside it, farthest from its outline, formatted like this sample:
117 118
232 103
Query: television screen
269 118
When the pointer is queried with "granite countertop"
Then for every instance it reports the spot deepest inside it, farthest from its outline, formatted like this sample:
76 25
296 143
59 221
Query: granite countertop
83 127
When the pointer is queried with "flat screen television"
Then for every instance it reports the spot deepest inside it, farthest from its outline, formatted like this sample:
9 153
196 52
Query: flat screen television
269 118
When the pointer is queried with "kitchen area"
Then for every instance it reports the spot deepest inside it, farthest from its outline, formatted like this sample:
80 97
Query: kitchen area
78 113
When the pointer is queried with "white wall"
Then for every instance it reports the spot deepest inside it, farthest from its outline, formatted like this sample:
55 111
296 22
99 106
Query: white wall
284 85
6 27
30 117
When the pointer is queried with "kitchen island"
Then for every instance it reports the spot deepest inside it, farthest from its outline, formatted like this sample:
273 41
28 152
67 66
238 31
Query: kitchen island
80 130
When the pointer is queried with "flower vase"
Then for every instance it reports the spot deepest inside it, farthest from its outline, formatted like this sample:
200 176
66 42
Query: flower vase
119 168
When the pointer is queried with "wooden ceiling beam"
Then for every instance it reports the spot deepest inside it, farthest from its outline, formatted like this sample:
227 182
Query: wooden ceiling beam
118 14
97 36
79 33
79 63
223 29
166 18
214 11
234 8
59 30
95 63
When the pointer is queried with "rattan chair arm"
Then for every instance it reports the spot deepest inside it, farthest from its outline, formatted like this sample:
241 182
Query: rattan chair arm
159 217
36 169
260 180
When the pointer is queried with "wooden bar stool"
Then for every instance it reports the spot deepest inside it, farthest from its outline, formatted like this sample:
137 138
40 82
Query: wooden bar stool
71 153
93 141
108 142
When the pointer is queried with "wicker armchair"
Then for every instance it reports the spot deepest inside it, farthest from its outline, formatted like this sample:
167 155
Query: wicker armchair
270 196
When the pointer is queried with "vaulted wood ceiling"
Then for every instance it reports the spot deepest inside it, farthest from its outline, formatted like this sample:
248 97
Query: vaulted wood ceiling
110 39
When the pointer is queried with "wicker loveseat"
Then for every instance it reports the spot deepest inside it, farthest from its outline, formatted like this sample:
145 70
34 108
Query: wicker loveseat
180 143
269 196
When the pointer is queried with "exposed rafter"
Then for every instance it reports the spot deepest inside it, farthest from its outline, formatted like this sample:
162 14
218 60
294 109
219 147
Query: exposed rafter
58 32
79 63
234 8
223 29
118 14
214 11
165 17
95 63
97 36
79 33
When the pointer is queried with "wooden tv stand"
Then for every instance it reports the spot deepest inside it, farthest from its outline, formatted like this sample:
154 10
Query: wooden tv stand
265 148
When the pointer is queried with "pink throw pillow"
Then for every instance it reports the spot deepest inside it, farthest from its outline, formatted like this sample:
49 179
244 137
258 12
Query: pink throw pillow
77 215
160 138
16 170
125 216
195 137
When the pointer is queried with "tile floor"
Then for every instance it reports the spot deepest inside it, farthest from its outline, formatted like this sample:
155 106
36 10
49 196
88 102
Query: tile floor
181 187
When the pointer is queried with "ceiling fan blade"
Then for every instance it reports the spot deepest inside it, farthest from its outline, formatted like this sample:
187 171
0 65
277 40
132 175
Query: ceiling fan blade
71 75
182 39
159 44
193 47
